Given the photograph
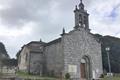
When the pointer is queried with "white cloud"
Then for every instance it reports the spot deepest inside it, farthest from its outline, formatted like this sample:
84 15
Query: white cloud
16 32
102 19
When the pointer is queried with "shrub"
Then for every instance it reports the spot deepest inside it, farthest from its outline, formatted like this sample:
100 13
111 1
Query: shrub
102 76
67 76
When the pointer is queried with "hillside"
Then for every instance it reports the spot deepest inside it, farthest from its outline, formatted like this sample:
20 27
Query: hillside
114 44
3 52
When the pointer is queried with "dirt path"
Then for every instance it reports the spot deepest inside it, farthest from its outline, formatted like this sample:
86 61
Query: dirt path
8 77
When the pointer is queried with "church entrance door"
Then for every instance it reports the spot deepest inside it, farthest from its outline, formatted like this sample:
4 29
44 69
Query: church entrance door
85 68
83 71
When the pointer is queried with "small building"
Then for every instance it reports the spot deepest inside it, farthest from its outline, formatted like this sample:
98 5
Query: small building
77 52
31 58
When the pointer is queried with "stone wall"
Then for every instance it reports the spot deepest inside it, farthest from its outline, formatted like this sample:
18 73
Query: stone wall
22 62
54 58
31 58
80 43
36 63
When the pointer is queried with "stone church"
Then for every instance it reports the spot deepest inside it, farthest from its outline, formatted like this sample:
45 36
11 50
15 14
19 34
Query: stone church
77 52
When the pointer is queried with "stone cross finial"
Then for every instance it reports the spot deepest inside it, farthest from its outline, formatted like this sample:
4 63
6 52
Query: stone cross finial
81 1
63 32
40 40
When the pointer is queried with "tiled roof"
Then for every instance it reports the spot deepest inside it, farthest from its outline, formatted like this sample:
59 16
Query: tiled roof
54 41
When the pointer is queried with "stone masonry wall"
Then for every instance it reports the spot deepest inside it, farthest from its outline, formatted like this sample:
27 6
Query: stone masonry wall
22 59
54 59
36 63
78 44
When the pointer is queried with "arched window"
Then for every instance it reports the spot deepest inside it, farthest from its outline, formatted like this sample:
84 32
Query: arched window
80 18
85 21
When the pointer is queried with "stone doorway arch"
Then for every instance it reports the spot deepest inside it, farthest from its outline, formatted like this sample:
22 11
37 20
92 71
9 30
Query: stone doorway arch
85 68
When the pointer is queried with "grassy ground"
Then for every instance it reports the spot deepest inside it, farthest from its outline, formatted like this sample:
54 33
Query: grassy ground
1 74
37 77
111 78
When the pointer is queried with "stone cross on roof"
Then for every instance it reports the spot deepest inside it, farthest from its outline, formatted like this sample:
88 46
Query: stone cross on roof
81 1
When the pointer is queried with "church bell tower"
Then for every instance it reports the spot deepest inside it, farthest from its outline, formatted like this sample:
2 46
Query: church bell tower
81 17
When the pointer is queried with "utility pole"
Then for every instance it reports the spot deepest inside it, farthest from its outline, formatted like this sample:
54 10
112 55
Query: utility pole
109 65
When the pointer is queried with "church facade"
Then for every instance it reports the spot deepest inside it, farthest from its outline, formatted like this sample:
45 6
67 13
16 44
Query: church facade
77 52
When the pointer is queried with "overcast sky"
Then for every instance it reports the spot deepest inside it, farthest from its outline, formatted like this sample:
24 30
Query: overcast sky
22 21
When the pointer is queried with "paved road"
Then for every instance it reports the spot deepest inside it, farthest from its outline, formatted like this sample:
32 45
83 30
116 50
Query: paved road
18 79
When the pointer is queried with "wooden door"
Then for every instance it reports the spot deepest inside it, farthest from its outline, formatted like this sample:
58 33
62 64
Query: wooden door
83 71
